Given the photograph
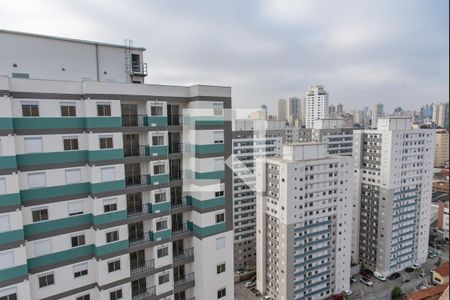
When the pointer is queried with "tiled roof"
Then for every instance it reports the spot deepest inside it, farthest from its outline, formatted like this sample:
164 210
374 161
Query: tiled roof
442 269
428 294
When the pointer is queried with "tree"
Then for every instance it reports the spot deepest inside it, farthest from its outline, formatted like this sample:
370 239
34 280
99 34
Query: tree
396 292
438 262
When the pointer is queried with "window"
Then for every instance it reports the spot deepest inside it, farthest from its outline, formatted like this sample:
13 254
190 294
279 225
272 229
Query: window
116 295
70 143
106 142
219 194
160 197
2 186
8 294
156 110
159 169
4 223
220 268
103 110
39 214
112 236
33 145
218 164
6 260
108 174
84 297
114 265
218 137
45 280
157 140
75 208
80 270
109 205
218 109
220 243
161 225
30 109
163 252
68 109
220 218
164 278
73 176
78 240
36 180
221 293
42 247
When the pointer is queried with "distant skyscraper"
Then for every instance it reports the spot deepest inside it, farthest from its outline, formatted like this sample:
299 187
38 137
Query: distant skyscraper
377 112
331 109
294 110
316 105
426 113
303 110
440 114
392 195
340 108
282 110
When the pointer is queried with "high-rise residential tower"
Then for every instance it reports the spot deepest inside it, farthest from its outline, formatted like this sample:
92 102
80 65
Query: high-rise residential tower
339 108
282 110
294 110
441 156
303 212
393 175
440 115
316 105
376 113
109 188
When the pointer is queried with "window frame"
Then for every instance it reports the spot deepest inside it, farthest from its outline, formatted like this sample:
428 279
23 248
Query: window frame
46 275
69 111
103 109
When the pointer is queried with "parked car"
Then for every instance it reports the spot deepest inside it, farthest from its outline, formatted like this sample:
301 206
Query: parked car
367 271
431 255
240 271
250 284
255 292
353 279
394 276
366 281
348 292
416 266
379 276
409 270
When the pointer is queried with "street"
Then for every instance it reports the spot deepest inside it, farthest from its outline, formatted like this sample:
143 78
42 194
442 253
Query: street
242 293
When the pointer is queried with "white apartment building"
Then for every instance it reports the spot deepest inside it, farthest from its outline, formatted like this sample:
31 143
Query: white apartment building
294 110
282 110
376 113
109 188
339 140
316 105
440 115
393 175
303 211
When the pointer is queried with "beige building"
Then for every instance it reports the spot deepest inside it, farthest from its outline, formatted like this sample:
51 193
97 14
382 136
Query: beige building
441 148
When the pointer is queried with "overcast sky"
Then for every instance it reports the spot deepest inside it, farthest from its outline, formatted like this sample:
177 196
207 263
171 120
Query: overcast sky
363 52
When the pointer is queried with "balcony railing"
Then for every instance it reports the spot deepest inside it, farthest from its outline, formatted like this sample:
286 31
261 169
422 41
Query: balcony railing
135 150
186 254
142 267
175 147
174 120
137 180
134 120
139 69
137 210
181 229
143 294
178 203
187 279
176 175
140 239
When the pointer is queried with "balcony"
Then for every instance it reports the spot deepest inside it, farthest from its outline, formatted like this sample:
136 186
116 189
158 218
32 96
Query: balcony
179 203
142 267
134 120
176 175
186 282
135 150
137 180
175 147
181 229
144 294
138 210
186 254
149 208
175 120
149 237
139 69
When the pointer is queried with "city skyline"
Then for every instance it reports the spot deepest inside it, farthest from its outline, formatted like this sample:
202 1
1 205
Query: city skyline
366 56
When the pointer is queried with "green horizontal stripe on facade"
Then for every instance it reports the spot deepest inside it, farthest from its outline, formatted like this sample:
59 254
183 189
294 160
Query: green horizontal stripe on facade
108 186
8 162
99 155
11 236
208 230
209 148
157 150
156 121
209 122
160 179
54 191
111 248
160 235
66 122
14 272
9 200
160 207
52 225
205 204
109 217
6 124
57 257
210 175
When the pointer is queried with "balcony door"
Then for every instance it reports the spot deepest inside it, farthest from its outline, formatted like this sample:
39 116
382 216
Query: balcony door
137 259
134 203
176 197
178 248
131 144
178 273
135 231
133 174
129 114
138 287
174 142
177 222
175 169
173 114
